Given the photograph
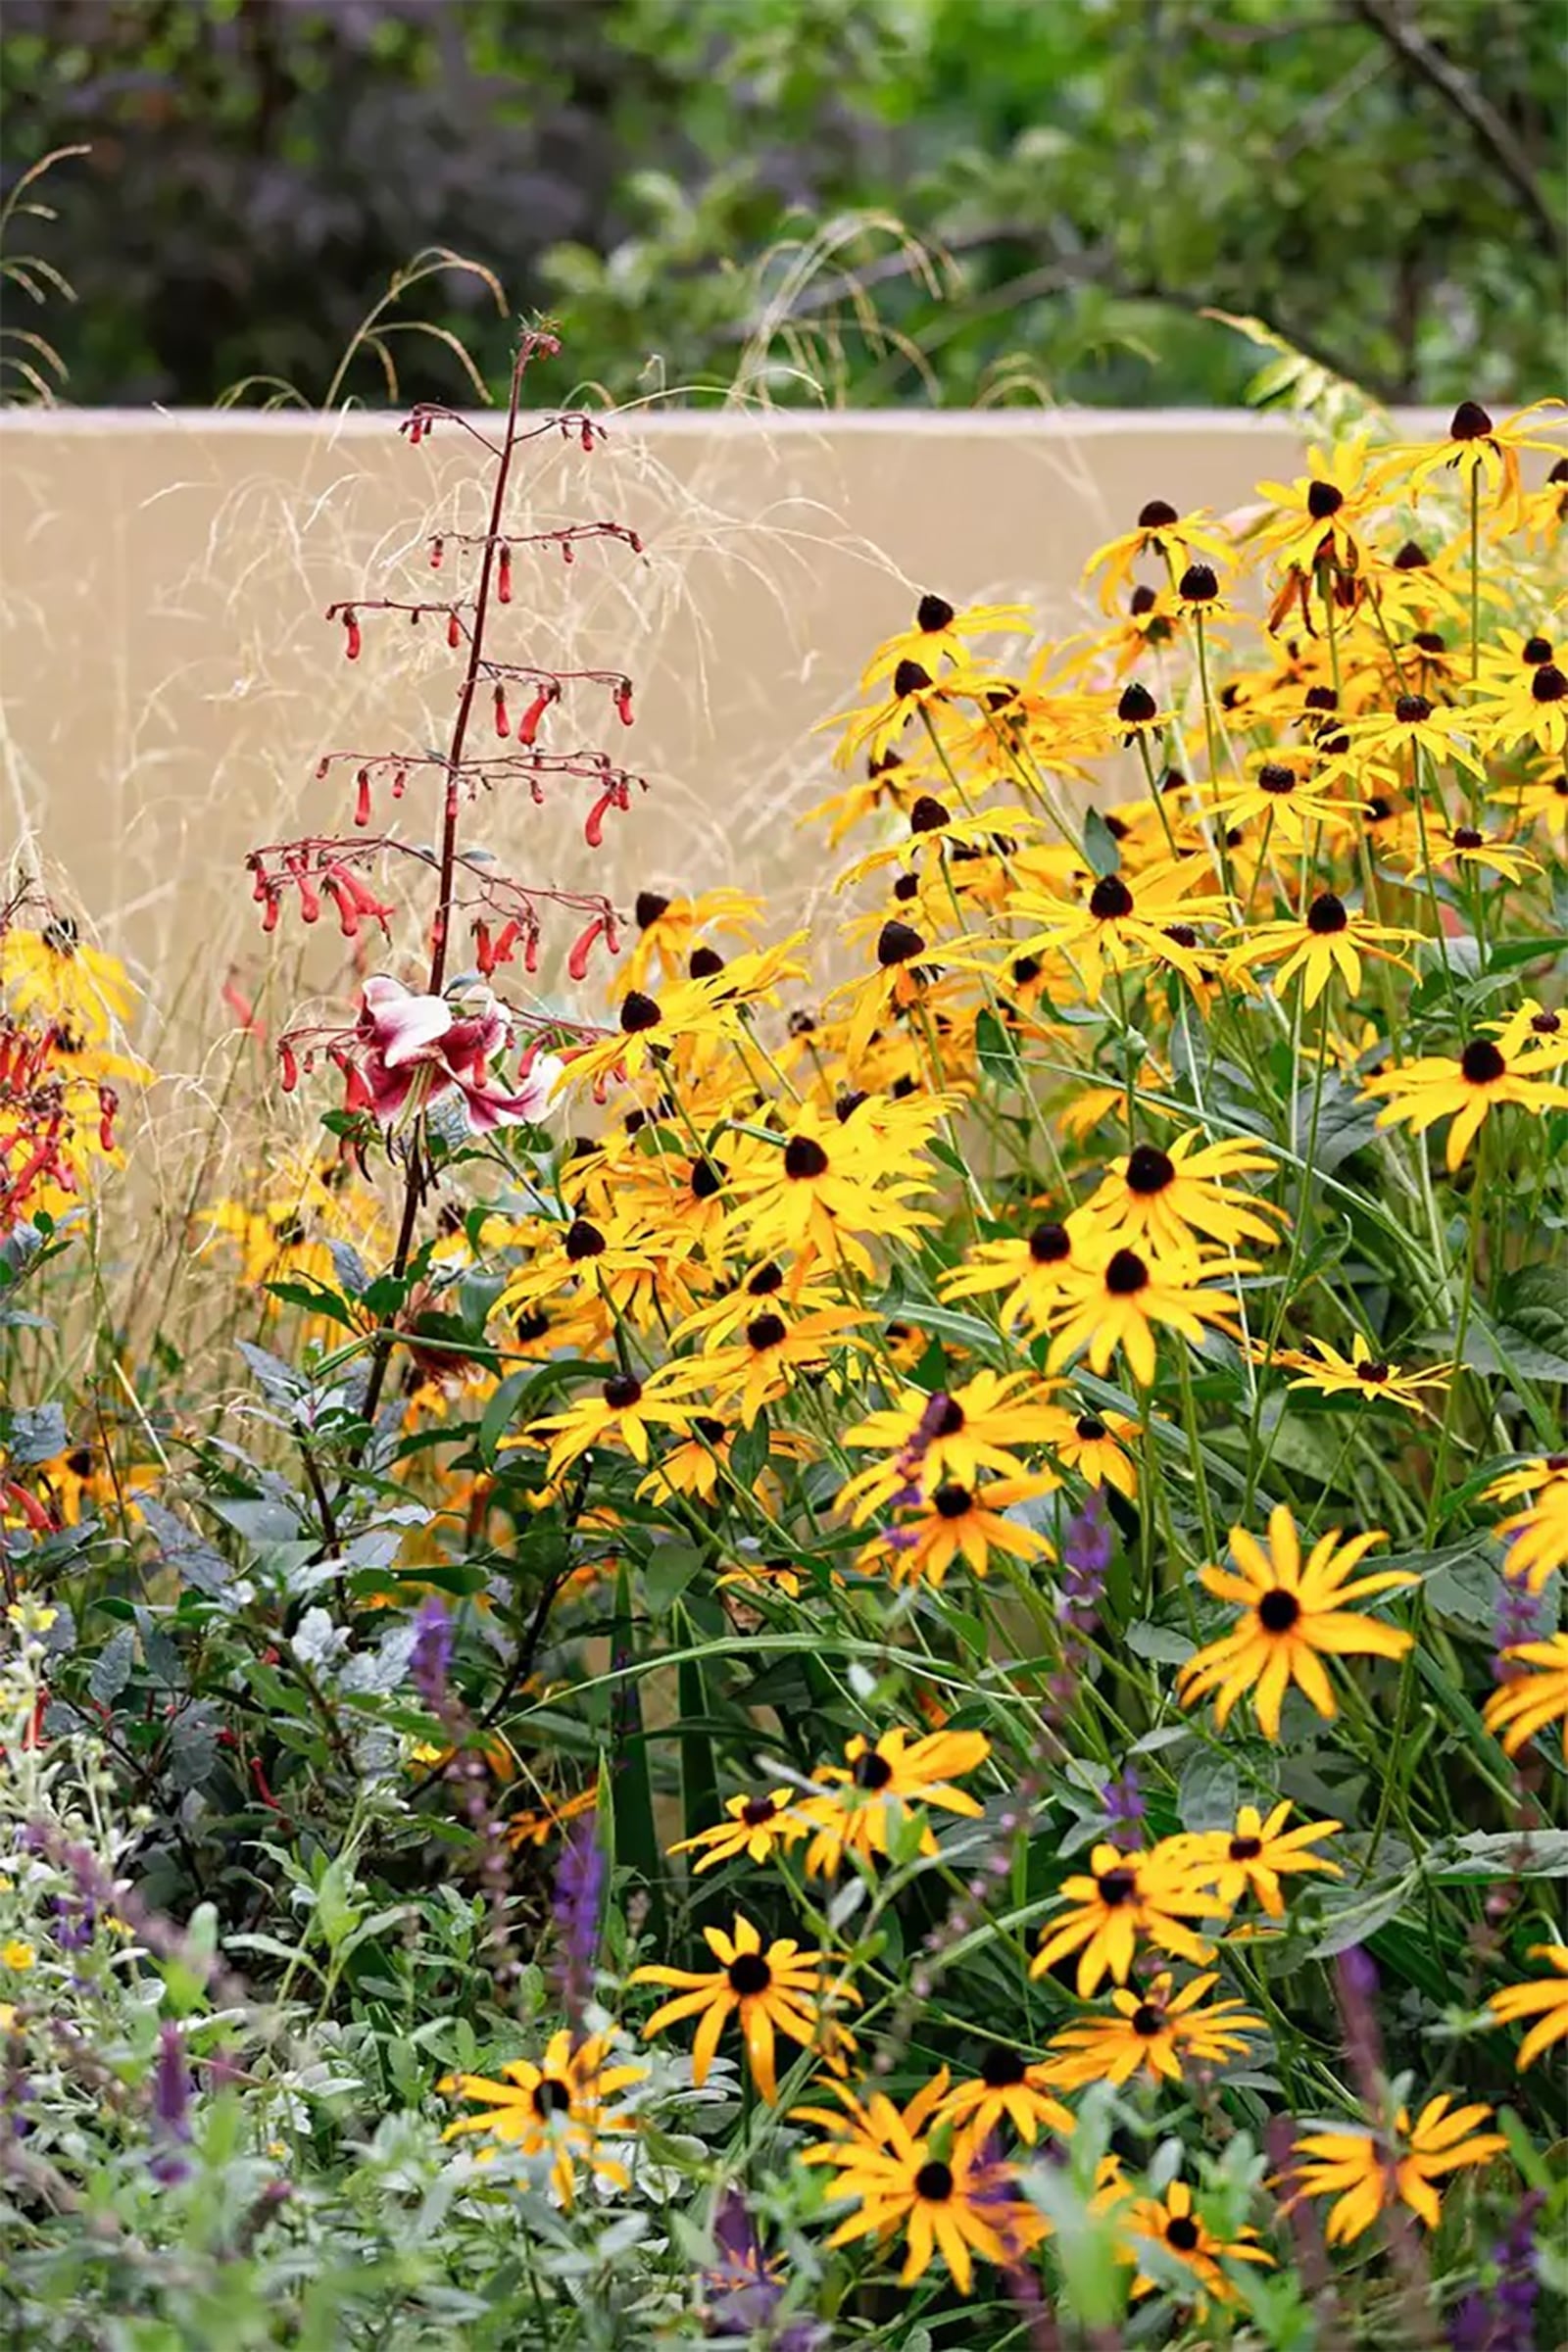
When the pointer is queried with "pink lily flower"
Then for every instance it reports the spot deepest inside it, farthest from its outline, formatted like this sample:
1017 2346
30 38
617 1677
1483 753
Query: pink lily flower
413 1049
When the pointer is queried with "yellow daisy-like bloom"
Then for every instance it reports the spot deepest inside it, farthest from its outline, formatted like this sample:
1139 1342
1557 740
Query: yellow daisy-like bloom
1527 704
1095 1445
1541 803
1450 847
1435 1087
1125 922
771 1991
1279 794
911 688
554 2108
691 1010
1123 1898
1361 1374
1355 2167
668 928
1545 2001
1151 2033
622 1413
1174 2224
1163 534
1539 1531
1257 1854
1476 446
868 1798
830 1182
1162 1201
1118 1301
1319 519
1384 744
538 1824
955 2203
18 1955
1329 937
938 634
1031 1269
770 1351
1527 1702
55 975
1008 2088
956 1523
759 1825
956 1435
1294 1616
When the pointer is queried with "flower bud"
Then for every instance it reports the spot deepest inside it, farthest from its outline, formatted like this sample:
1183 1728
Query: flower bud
503 722
361 806
623 709
454 629
503 576
578 961
352 639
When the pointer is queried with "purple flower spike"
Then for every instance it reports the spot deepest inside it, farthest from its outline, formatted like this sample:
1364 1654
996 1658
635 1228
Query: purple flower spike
578 1902
430 1660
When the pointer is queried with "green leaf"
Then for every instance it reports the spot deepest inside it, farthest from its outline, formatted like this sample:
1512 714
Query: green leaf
111 1667
1210 1791
669 1570
1162 1643
1100 845
336 1910
1352 1916
1498 1854
631 1795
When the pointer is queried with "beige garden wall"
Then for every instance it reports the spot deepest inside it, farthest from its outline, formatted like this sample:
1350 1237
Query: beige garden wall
166 678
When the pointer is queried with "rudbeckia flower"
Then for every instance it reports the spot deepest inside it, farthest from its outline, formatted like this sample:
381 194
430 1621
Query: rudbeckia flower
772 1990
1124 1899
623 1411
1448 848
1030 1268
1528 1701
553 2107
1363 2172
1477 449
938 634
1294 1616
1545 2001
1094 1446
911 690
1170 538
1124 923
1257 1854
647 1025
1435 1087
1008 2088
1151 2033
870 1796
1329 937
957 1522
1175 2224
1168 1202
951 1437
668 928
1118 1300
1539 1531
758 1825
1361 1374
1319 519
55 975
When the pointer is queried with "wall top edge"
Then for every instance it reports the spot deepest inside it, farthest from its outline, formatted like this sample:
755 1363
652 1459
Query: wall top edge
678 424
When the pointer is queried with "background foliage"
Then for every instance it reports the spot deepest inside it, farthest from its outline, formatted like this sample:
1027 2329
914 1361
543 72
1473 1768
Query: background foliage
695 182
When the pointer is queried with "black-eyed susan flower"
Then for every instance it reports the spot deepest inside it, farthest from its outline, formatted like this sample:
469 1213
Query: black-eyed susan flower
830 1182
1008 2087
1538 1536
769 1351
1381 745
1125 922
669 927
1466 1088
913 689
647 1026
1419 845
1326 938
1545 1999
1319 520
1154 2030
938 634
1121 1297
775 1990
1363 2172
1534 1694
557 2107
1362 1373
1163 1204
759 1823
1162 534
1542 800
1294 1616
1477 449
867 1800
1030 1268
1521 694
621 1412
957 1523
1095 1445
55 975
1279 793
942 2194
1257 1854
951 1438
1174 2224
1123 1899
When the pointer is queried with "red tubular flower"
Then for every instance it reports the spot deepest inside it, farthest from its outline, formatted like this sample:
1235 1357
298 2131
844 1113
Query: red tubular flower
108 1105
361 806
528 723
623 702
289 1067
503 722
269 909
352 639
484 954
578 961
454 629
437 550
503 576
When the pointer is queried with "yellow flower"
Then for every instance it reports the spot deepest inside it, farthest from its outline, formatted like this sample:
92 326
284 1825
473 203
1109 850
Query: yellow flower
624 1409
1009 2087
773 1991
945 2196
1294 1616
667 930
871 1796
938 634
1361 1374
1117 1302
1545 2001
1319 519
689 1011
1527 1702
1162 1202
1126 921
948 1438
1257 1854
1174 2224
1030 1268
911 688
954 1523
554 2108
1329 937
1094 1447
1151 2033
1435 1087
17 1954
55 975
1160 532
1476 447
1539 1531
1126 1897
757 1825
1354 2166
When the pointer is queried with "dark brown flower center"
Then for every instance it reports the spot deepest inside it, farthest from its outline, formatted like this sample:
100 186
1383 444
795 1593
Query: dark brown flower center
623 1391
1024 969
933 2184
705 962
1146 2020
1465 837
1548 685
706 1180
1090 1428
910 679
1245 1850
1049 1245
1277 1610
648 906
1411 710
1272 777
639 1012
757 1810
1373 1372
896 942
1535 651
1110 899
1198 584
805 1157
1001 2068
1482 1064
953 1502
1411 558
551 2098
1150 1170
871 1770
1180 2231
1469 422
1126 1275
1117 1887
764 1280
583 1240
710 1428
933 613
1326 915
947 1418
1137 706
1144 599
1323 500
1156 514
764 1332
749 1975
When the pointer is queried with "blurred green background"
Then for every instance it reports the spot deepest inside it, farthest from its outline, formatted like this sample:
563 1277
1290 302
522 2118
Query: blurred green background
867 202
